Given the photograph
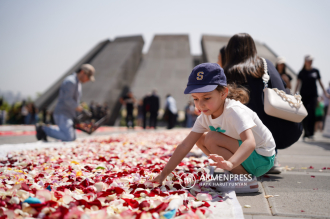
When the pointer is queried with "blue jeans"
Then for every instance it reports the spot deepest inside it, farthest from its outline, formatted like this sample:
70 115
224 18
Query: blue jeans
65 130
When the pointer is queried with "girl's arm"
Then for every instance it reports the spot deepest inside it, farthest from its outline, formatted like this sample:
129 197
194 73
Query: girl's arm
180 152
242 153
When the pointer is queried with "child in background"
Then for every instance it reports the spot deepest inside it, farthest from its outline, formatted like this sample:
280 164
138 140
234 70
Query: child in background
319 113
235 137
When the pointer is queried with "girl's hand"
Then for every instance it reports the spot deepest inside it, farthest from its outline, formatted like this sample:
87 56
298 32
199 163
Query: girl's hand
220 162
159 179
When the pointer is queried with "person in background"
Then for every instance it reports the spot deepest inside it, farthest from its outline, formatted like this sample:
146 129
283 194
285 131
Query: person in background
191 116
24 112
146 109
44 115
326 101
307 78
245 68
67 106
32 117
92 109
154 107
1 112
222 56
281 68
140 113
319 114
172 111
105 109
98 114
128 100
186 110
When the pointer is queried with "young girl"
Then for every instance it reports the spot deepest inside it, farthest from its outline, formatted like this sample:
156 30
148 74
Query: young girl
236 139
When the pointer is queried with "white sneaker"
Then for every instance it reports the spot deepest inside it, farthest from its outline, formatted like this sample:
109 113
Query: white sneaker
276 169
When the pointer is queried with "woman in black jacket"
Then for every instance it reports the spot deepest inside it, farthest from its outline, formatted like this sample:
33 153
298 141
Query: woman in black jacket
243 67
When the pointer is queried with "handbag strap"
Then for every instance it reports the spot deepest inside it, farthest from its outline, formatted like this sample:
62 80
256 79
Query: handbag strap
265 77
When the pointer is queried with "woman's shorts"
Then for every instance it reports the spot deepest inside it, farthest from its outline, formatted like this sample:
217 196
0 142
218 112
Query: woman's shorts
257 164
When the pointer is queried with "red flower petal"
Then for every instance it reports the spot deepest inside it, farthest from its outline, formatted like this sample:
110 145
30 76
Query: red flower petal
156 191
313 176
177 186
131 202
159 208
143 205
138 193
88 204
206 204
177 192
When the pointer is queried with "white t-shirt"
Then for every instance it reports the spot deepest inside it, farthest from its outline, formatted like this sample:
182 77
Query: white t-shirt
235 119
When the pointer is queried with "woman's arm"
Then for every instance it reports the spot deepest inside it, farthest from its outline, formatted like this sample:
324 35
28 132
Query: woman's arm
242 153
180 152
324 91
286 80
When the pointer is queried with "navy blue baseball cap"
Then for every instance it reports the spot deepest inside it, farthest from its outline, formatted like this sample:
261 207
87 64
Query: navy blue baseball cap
205 77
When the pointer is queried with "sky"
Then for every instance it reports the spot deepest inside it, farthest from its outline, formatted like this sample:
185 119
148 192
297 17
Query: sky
41 40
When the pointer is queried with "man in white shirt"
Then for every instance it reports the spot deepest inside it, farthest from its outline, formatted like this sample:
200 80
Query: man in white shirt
172 111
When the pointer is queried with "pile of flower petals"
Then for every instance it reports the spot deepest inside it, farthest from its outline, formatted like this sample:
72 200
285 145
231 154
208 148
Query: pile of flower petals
103 178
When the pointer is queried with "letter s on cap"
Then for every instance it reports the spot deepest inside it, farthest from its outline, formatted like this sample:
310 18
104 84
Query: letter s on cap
200 75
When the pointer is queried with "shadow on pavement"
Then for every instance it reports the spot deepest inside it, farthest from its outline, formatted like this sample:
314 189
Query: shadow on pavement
249 194
322 144
269 178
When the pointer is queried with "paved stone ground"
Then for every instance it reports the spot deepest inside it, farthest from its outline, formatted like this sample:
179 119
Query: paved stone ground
303 190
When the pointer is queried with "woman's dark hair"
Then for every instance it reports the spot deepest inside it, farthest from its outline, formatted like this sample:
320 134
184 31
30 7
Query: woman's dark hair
304 66
242 59
236 92
284 69
222 52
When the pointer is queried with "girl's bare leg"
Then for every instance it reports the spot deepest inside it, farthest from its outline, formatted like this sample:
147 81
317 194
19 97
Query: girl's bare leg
220 144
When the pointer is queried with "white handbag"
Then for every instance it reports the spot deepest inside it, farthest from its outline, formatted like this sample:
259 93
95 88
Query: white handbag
281 105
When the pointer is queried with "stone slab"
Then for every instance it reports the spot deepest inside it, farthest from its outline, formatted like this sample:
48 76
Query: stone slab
257 201
298 195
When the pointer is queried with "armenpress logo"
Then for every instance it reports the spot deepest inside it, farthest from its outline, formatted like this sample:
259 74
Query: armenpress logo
187 180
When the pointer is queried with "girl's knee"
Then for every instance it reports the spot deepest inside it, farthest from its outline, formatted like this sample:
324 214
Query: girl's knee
210 138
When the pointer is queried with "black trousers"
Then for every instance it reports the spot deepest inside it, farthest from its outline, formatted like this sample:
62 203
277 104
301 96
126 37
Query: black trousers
309 122
171 120
130 119
153 119
144 119
325 116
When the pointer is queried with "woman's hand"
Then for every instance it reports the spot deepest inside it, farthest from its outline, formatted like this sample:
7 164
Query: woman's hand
220 162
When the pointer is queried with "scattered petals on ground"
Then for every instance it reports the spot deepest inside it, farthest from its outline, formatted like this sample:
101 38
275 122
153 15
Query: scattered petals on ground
103 178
